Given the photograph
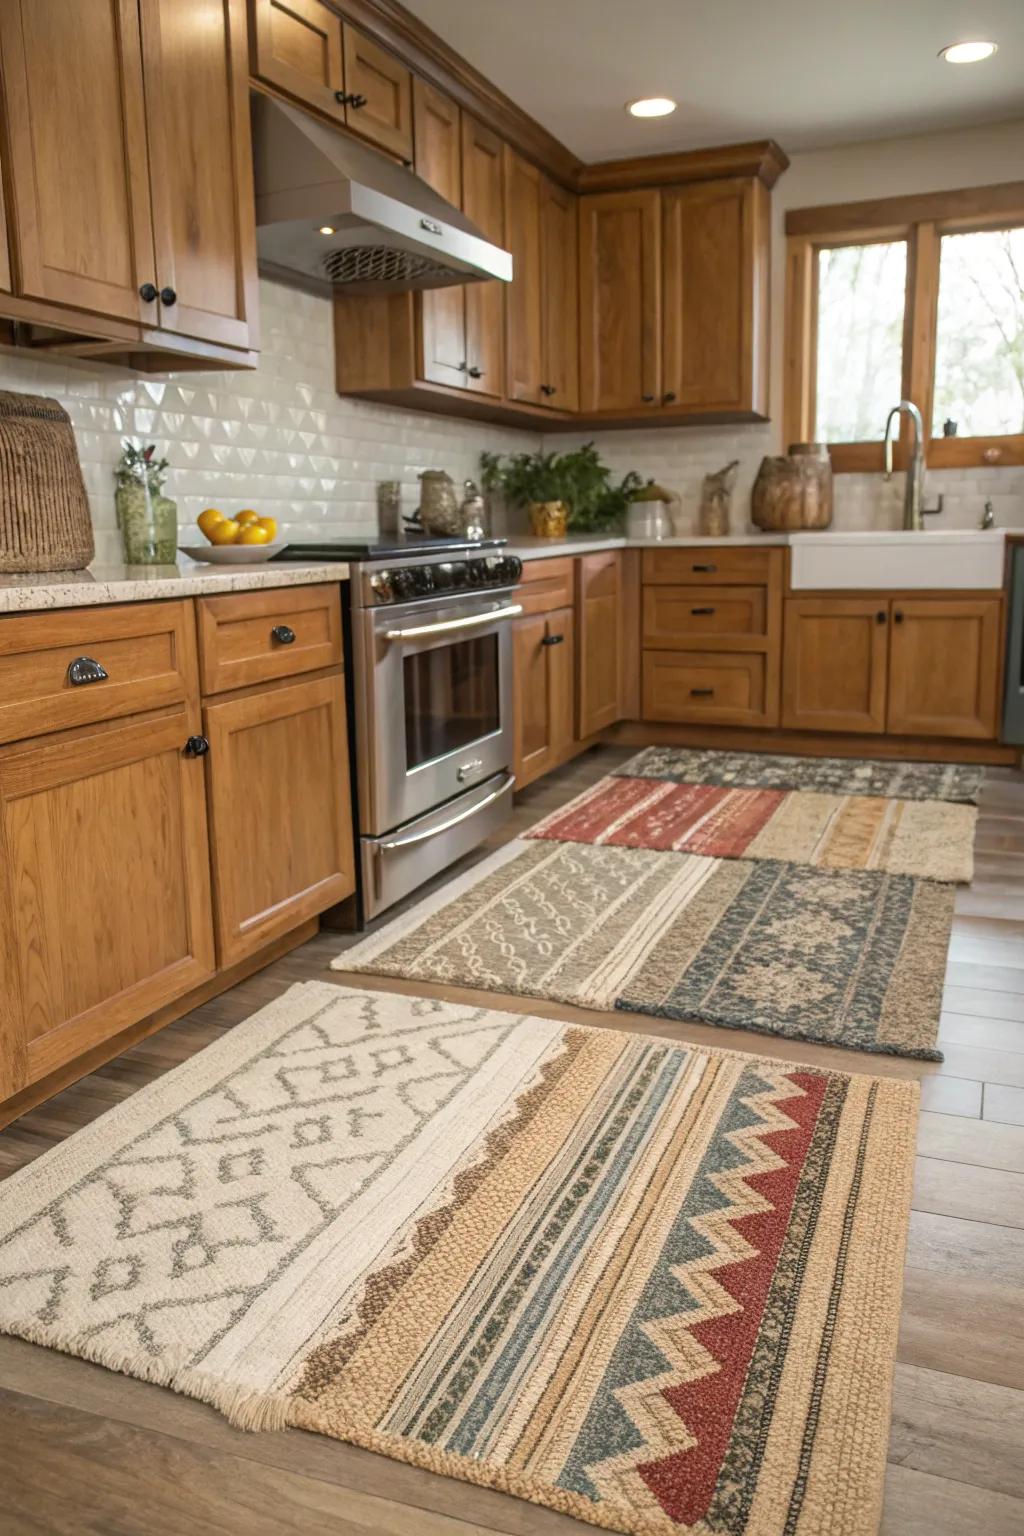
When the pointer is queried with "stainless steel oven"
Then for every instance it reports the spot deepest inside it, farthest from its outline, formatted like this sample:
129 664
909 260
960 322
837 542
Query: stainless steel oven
432 662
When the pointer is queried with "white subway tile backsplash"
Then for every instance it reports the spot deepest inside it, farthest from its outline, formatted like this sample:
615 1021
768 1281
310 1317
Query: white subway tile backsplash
281 439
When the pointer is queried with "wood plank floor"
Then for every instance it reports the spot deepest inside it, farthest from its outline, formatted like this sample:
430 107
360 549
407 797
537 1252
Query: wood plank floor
83 1450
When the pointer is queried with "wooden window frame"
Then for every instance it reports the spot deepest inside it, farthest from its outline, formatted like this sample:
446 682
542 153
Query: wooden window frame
921 220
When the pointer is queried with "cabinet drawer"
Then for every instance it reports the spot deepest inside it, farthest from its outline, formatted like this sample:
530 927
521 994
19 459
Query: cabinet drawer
254 637
546 585
689 617
723 688
708 567
146 653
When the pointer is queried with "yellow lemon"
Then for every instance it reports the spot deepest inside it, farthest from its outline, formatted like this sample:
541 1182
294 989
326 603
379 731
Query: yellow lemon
224 532
254 534
270 525
209 519
243 519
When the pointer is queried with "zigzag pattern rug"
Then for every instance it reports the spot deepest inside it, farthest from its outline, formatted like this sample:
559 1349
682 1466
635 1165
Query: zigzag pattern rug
651 1286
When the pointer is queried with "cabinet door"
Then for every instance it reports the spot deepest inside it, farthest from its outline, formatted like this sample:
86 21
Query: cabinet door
483 201
441 311
600 594
523 306
834 664
280 810
197 109
620 301
560 298
379 92
296 46
944 667
77 171
104 890
543 670
713 254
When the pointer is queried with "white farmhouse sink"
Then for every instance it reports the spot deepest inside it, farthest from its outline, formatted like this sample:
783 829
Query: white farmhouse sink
958 559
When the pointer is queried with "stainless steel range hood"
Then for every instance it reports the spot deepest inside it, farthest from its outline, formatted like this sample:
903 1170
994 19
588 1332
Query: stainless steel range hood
390 232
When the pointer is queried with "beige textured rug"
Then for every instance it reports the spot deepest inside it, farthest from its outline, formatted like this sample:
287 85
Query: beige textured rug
652 1286
929 839
844 957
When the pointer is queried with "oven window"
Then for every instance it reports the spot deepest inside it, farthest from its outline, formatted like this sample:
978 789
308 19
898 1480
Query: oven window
451 698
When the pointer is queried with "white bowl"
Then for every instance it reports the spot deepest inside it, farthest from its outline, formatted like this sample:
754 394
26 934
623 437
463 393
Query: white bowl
230 554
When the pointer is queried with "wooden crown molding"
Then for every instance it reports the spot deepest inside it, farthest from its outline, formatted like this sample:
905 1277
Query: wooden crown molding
763 159
428 55
966 205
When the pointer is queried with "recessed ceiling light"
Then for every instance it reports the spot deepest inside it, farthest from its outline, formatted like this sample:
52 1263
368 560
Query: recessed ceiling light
327 229
967 53
651 106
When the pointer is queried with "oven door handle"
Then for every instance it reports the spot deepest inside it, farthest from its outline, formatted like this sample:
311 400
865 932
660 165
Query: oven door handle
472 621
421 837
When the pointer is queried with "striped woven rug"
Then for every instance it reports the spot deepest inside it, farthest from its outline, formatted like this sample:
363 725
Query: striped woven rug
929 839
650 1286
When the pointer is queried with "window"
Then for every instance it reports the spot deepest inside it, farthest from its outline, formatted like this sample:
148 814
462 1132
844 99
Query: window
918 298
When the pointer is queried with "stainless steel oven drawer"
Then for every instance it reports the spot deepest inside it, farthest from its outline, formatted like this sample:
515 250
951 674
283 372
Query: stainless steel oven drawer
395 864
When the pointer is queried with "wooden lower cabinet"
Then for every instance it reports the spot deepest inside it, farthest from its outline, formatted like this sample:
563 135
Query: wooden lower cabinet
944 667
544 668
834 663
280 830
599 605
104 886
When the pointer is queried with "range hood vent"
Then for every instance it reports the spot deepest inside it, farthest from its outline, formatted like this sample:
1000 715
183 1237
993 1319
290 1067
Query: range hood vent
387 230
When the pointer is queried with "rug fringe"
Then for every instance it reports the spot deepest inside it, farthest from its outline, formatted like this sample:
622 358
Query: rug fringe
244 1407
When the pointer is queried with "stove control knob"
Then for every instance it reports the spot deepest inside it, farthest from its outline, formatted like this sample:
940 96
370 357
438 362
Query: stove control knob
476 573
403 583
510 569
380 586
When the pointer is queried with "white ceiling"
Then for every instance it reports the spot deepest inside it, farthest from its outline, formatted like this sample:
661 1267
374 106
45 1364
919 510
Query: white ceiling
809 73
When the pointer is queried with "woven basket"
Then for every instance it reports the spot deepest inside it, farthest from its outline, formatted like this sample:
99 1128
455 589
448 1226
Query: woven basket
44 511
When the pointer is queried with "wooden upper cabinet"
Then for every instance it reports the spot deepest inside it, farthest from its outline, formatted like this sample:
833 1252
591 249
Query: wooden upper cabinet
944 667
620 300
834 663
559 298
483 201
715 238
197 105
379 91
441 311
77 173
296 45
524 311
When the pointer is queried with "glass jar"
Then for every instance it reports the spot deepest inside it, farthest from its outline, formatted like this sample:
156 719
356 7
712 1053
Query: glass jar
148 521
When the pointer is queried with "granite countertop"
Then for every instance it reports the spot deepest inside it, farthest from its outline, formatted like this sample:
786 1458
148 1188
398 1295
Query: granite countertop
142 583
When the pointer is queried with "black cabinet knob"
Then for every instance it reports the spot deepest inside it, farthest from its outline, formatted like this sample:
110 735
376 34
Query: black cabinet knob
168 296
897 617
548 389
148 292
342 98
283 634
84 670
880 616
647 399
552 640
355 100
669 397
196 746
475 372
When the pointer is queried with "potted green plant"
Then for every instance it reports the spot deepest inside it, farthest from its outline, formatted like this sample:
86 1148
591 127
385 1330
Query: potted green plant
572 490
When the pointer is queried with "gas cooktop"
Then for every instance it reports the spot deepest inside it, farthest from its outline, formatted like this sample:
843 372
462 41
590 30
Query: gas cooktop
382 547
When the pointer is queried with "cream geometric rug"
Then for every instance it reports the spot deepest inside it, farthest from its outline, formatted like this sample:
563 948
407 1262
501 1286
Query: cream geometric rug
652 1286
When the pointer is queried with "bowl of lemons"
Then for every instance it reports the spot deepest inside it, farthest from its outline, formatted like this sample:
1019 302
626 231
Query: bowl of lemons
238 540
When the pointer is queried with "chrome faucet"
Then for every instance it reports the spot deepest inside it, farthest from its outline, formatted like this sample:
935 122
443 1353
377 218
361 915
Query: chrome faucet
914 492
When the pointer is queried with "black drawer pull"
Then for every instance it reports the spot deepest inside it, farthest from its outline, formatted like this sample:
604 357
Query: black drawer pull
84 670
196 746
552 640
702 693
701 611
709 569
283 634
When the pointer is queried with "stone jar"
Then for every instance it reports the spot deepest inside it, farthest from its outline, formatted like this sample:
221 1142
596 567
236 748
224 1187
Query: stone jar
440 511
